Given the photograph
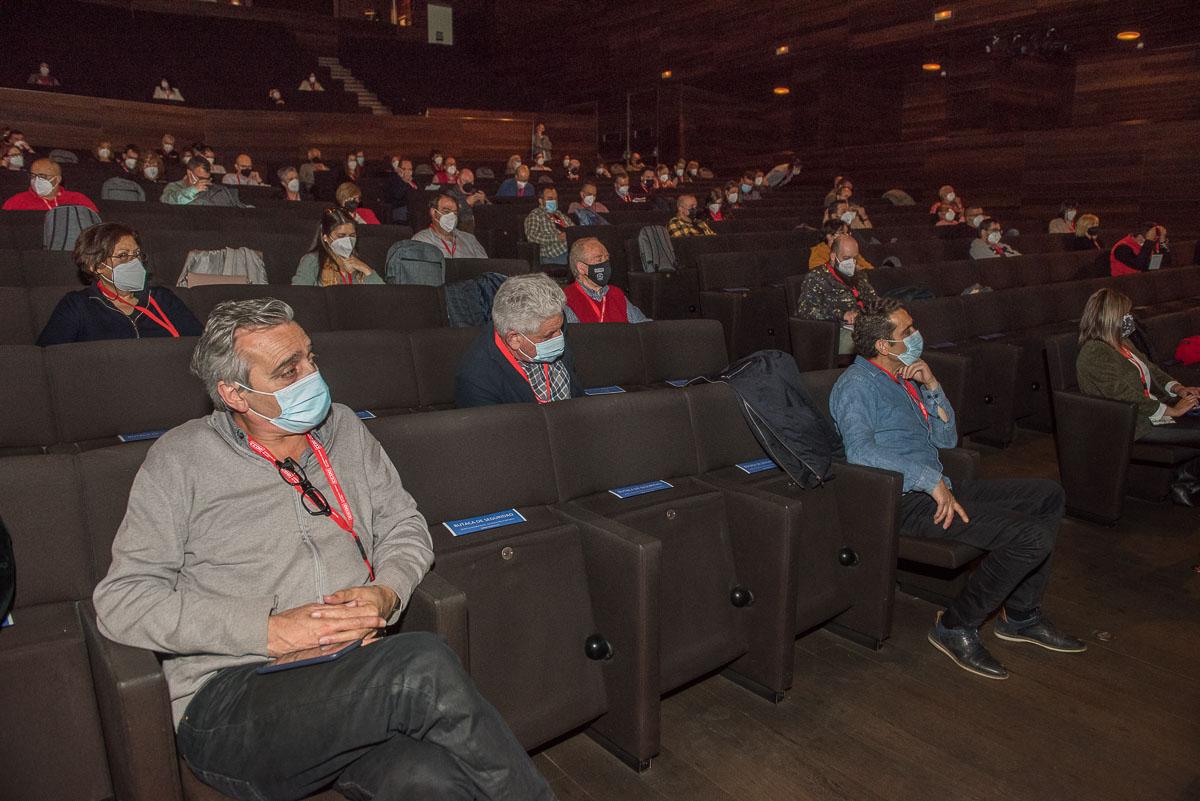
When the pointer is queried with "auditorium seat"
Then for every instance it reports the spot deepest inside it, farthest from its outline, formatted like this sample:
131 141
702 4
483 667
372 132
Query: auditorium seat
49 268
716 544
404 308
28 423
50 708
309 303
103 390
436 353
11 273
1099 462
369 371
16 317
538 572
466 269
607 354
678 349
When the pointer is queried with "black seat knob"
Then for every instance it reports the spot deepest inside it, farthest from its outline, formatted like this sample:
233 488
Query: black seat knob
741 597
597 648
847 557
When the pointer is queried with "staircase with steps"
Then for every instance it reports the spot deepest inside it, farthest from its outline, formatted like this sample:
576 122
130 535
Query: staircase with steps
366 98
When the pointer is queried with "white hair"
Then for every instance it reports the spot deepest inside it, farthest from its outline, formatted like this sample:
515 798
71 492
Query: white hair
524 302
215 358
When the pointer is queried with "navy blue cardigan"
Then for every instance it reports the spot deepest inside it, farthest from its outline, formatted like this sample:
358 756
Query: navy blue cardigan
87 315
485 377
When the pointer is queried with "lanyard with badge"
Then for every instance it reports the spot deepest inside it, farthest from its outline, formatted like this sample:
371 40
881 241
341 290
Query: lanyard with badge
449 248
598 309
294 475
513 361
1128 354
853 290
912 392
157 315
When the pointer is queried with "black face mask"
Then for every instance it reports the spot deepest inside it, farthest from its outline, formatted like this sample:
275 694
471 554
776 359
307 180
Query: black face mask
317 160
694 212
1094 231
468 188
600 273
351 205
245 172
1128 326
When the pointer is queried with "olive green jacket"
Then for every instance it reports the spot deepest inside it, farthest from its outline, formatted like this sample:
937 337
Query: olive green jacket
1103 371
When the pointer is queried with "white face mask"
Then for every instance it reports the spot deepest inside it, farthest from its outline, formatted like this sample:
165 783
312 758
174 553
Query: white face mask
622 190
566 163
451 169
950 197
662 179
949 215
130 164
395 164
693 172
994 237
437 160
1070 215
588 200
976 220
343 247
17 161
522 184
732 197
42 187
104 152
541 161
152 173
165 85
352 164
847 217
679 171
168 147
758 180
714 207
846 267
447 221
44 70
360 160
293 185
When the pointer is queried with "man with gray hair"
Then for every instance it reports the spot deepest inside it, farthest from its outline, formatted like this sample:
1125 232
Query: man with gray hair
275 534
522 356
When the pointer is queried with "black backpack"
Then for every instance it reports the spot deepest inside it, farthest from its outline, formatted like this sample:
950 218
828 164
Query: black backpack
8 572
783 416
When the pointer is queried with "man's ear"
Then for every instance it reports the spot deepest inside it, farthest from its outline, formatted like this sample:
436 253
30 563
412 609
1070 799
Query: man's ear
232 397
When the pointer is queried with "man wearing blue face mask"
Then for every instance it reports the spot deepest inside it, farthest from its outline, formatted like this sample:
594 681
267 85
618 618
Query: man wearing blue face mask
522 356
276 530
892 414
547 226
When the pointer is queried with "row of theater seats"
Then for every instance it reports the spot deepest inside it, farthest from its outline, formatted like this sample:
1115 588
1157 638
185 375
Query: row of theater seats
619 600
90 394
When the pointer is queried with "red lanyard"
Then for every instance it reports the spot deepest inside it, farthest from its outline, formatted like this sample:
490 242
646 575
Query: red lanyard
599 309
345 520
513 361
1128 354
841 281
448 248
160 318
912 392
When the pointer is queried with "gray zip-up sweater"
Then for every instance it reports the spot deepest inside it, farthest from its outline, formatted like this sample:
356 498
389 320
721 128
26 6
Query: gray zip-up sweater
214 541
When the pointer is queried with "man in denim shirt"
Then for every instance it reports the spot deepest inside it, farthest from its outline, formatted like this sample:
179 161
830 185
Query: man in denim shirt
893 415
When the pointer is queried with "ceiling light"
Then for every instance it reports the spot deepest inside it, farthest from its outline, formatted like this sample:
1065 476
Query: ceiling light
665 74
782 50
931 66
1129 36
942 15
782 90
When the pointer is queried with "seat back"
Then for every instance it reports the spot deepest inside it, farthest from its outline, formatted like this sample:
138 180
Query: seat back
28 421
635 437
607 354
368 370
436 353
404 308
48 268
106 476
723 437
1061 352
103 389
307 302
674 349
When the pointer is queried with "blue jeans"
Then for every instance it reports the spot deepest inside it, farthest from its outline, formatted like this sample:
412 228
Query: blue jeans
397 719
559 259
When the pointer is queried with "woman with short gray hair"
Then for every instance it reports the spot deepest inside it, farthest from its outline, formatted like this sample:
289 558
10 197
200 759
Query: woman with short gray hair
522 357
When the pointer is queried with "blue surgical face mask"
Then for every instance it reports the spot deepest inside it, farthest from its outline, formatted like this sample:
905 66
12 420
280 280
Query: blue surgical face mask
303 404
551 206
915 344
550 350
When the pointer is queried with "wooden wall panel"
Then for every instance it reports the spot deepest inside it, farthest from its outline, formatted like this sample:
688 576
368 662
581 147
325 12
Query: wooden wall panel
79 122
1138 85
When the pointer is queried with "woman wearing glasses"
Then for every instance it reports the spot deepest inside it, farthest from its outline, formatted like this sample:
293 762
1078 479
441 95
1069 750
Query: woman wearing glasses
117 304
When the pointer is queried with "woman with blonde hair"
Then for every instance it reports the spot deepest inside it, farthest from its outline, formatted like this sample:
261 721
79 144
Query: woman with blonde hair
1087 233
332 259
1109 366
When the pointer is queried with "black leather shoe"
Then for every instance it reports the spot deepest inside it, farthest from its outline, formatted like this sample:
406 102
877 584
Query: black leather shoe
1038 631
965 648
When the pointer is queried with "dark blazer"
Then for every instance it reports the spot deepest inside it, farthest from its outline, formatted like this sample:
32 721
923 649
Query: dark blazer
1102 371
86 316
485 378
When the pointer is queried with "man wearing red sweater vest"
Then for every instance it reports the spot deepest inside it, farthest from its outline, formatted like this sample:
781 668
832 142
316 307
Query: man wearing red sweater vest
46 191
590 299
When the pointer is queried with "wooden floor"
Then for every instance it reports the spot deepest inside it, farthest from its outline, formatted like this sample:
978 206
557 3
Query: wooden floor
1120 722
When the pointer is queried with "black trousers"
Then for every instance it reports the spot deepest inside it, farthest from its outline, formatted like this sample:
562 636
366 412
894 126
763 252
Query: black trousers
396 719
1015 520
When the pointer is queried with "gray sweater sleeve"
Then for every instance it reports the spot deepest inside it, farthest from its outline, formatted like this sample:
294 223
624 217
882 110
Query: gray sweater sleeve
141 602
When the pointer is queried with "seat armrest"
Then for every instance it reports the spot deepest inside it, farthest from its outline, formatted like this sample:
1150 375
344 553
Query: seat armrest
725 308
953 370
135 714
623 570
959 463
1092 468
814 343
440 607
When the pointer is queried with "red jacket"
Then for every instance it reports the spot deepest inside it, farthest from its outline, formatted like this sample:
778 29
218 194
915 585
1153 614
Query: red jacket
32 201
589 311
